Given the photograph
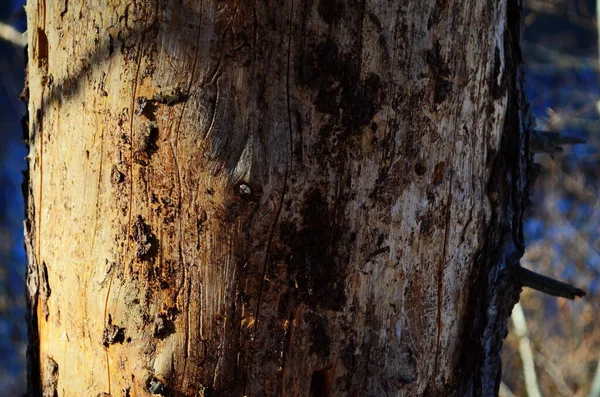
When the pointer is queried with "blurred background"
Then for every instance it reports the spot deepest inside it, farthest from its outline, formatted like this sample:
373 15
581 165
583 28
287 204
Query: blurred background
13 333
553 347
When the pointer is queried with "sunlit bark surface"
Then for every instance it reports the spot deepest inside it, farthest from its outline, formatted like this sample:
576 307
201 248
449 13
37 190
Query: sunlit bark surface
290 198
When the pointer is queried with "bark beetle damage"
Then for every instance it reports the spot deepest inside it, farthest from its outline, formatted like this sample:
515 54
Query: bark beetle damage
146 144
340 90
42 49
317 270
164 324
156 386
116 176
170 97
112 333
49 388
486 319
147 243
45 290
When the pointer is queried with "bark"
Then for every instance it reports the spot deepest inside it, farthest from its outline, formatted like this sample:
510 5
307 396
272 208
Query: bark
290 198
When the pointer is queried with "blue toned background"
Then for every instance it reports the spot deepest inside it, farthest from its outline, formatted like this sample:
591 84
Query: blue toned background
12 254
562 231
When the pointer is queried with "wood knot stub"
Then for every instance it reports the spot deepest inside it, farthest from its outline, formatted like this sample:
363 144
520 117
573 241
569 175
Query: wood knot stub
245 190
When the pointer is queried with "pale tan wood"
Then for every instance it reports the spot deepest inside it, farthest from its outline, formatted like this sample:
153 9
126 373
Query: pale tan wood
270 198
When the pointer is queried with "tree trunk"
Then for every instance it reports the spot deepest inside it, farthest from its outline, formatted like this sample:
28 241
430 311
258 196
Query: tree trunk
290 198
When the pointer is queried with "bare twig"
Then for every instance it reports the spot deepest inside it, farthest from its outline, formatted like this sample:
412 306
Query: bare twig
518 319
12 35
545 284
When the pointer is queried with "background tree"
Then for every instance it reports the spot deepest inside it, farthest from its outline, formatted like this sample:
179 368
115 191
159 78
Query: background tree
276 198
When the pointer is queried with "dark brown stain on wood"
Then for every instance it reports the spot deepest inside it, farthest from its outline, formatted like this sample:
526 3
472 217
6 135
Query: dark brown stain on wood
315 267
341 92
439 73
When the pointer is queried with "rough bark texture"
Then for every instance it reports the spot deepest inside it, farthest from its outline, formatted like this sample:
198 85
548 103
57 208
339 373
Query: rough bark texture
288 198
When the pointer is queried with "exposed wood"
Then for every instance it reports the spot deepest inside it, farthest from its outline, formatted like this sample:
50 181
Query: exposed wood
296 198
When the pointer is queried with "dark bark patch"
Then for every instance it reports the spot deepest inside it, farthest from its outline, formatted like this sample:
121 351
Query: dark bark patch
348 356
317 272
420 168
201 219
427 221
319 386
111 44
112 333
42 49
283 304
496 88
45 290
320 343
147 243
330 10
436 14
411 144
340 90
438 173
439 73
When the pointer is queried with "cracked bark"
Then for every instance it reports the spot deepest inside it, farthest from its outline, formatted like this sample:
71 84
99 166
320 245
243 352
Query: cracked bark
275 198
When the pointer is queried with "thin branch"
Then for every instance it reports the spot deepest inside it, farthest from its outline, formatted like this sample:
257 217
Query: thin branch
545 284
518 319
12 35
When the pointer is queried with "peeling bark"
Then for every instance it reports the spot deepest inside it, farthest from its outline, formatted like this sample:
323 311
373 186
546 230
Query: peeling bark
273 198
